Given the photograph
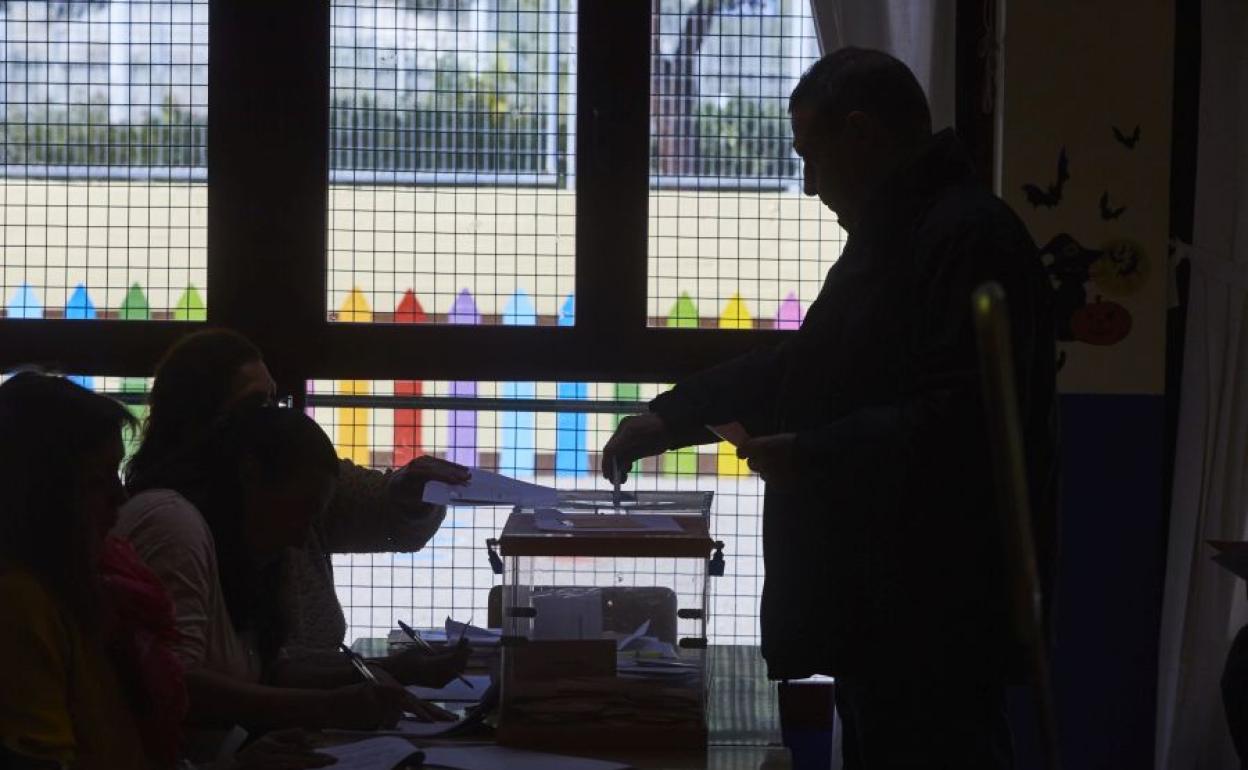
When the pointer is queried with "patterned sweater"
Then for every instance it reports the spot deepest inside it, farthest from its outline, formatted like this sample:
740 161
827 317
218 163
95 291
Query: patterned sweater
368 514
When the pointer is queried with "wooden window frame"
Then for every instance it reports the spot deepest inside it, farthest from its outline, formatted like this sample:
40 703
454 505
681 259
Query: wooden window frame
268 183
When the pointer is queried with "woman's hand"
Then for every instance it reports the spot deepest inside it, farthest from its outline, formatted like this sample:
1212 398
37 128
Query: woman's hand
365 706
427 669
282 750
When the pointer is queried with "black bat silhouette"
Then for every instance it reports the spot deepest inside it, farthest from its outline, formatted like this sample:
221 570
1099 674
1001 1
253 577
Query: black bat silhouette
1052 194
1127 141
1106 211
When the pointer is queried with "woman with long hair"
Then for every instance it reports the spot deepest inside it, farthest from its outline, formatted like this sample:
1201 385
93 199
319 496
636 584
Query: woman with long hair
208 373
90 678
216 523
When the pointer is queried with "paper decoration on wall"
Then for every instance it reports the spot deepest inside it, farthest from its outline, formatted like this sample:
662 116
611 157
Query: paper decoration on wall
462 430
1118 269
408 423
1127 141
1051 194
518 445
571 428
353 441
1109 212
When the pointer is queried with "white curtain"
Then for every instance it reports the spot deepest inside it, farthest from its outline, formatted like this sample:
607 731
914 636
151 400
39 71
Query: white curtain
1204 603
919 32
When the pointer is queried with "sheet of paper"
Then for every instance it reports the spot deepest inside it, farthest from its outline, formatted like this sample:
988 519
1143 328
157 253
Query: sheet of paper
572 613
456 691
637 634
381 753
475 635
554 520
485 488
504 758
732 432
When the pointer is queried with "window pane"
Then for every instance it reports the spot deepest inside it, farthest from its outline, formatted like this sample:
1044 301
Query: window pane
733 243
103 203
451 576
451 162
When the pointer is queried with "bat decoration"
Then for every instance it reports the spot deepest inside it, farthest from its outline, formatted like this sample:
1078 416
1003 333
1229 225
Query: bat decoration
1052 194
1127 141
1107 212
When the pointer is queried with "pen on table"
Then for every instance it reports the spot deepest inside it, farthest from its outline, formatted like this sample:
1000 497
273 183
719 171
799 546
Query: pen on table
354 657
415 637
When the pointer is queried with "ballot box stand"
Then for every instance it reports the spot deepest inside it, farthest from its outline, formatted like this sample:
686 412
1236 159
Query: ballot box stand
605 613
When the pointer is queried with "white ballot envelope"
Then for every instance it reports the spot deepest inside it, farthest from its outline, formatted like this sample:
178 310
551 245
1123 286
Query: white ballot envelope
485 488
732 432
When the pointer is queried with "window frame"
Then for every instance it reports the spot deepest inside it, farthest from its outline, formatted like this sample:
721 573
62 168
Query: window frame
268 188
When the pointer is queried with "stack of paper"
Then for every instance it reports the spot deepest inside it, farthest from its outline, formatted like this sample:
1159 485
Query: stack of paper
504 758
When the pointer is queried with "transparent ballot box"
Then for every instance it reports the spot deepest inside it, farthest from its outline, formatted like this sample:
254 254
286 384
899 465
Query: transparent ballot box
604 615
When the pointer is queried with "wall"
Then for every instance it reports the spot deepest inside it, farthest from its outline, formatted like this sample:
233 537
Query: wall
1078 78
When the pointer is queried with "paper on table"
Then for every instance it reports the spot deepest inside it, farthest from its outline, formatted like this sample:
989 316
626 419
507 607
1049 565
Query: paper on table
554 520
640 632
504 758
485 488
568 613
372 754
474 635
455 691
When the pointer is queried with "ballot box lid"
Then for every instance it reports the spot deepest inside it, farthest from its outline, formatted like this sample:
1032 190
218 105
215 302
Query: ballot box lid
605 534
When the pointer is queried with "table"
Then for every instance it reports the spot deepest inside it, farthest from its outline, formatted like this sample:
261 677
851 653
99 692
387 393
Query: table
742 710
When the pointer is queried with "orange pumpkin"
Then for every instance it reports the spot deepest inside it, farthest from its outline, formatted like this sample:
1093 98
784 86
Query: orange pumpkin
1101 323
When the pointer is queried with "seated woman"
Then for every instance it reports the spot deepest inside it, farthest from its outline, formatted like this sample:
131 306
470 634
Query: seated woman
89 678
205 374
214 526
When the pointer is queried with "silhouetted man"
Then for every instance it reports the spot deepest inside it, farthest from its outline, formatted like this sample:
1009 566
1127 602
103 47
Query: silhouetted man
880 537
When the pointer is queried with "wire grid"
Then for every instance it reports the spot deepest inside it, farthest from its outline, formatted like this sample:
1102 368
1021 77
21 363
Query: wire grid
451 162
733 243
451 576
103 129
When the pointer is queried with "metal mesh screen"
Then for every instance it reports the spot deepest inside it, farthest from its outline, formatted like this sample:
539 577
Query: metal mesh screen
451 576
103 203
733 244
451 162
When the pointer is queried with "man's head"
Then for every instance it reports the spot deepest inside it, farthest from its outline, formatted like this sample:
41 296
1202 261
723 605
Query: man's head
856 114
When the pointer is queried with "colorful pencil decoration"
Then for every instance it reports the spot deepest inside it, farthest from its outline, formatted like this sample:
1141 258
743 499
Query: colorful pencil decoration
683 315
518 444
24 303
80 307
190 306
408 441
735 316
353 422
789 315
134 307
462 431
571 428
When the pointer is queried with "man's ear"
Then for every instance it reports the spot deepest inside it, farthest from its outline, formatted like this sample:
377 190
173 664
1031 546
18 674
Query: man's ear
860 127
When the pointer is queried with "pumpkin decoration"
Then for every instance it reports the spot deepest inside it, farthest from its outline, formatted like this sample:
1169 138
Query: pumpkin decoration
1121 269
1101 322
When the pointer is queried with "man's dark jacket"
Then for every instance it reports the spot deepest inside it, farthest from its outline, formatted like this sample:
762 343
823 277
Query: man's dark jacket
886 553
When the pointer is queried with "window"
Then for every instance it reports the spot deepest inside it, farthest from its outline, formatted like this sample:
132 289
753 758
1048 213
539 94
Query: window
733 242
103 202
451 162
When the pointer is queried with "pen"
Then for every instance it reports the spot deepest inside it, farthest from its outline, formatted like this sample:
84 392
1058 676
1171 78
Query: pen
415 637
358 663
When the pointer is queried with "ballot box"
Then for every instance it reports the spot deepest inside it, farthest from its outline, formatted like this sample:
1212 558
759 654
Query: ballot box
604 615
